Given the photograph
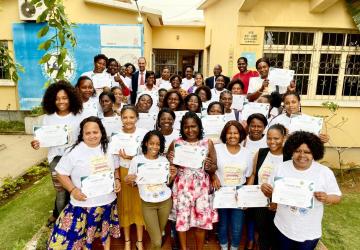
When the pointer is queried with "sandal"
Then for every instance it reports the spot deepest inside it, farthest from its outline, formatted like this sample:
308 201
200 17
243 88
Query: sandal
127 245
139 242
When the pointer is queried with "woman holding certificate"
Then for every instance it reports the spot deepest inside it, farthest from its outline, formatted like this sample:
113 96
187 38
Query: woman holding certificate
165 124
261 85
265 161
234 164
62 107
87 93
153 173
301 187
125 145
87 172
255 140
195 158
292 107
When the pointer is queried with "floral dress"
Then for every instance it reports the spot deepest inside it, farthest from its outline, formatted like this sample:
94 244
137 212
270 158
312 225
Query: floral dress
192 200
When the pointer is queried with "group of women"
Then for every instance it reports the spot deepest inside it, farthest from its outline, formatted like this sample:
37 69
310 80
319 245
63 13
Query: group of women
256 151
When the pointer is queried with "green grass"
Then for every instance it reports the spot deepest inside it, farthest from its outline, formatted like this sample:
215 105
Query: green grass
341 222
12 126
23 216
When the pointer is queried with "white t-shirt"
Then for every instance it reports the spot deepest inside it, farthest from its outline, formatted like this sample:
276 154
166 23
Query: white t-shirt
79 163
169 138
137 138
163 84
301 224
148 192
91 107
187 83
254 146
215 94
268 166
73 122
100 80
231 116
233 169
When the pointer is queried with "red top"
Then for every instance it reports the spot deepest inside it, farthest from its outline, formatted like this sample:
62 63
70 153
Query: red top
245 77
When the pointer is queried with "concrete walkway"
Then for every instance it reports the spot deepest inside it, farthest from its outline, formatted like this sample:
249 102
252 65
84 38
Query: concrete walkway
16 155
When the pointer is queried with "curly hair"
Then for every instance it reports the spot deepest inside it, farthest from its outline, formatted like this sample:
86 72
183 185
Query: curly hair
110 60
49 99
234 82
298 138
175 76
162 111
207 91
104 141
99 57
147 137
238 126
191 115
216 103
187 99
131 65
258 116
166 98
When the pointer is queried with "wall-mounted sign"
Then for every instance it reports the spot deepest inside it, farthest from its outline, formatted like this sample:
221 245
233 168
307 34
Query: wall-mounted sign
249 36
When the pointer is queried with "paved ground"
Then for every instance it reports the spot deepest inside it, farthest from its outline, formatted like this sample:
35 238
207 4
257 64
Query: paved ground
16 155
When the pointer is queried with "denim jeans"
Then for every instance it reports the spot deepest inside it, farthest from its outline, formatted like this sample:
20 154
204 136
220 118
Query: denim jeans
288 244
233 220
62 196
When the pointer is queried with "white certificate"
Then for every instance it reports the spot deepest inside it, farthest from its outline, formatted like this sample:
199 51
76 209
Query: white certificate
307 123
293 192
128 142
189 156
51 135
147 121
97 184
213 125
280 77
152 173
178 116
253 108
238 102
225 197
251 196
112 125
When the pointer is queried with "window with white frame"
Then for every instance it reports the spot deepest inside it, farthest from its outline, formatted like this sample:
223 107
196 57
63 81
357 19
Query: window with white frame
326 64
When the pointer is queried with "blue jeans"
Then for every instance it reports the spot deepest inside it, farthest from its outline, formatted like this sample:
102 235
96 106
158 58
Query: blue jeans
232 219
288 244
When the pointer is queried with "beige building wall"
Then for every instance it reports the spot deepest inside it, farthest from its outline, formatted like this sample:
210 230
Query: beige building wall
220 35
174 37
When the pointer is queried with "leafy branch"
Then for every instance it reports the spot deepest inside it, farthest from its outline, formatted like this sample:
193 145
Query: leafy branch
8 63
55 18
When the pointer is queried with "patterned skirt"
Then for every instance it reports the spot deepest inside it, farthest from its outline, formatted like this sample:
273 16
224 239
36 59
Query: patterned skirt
77 227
